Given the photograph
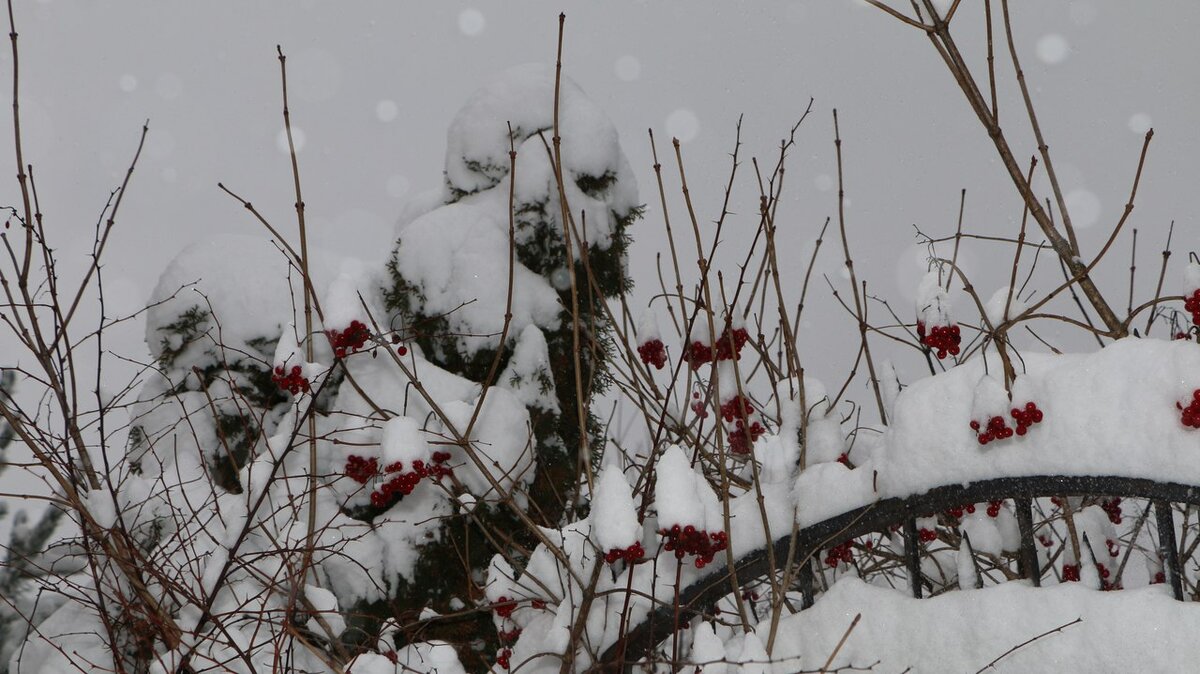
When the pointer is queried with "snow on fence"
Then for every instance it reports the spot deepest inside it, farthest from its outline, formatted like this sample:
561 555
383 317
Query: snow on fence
702 596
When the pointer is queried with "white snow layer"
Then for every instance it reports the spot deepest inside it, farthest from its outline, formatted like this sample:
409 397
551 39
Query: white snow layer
215 275
1143 630
1111 412
457 258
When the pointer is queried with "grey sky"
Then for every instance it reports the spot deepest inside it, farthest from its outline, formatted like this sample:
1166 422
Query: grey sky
376 83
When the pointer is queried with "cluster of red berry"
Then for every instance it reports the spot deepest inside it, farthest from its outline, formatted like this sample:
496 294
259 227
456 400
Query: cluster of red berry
509 636
741 438
1112 508
504 606
926 535
1191 413
699 407
1026 417
1070 574
837 554
290 380
844 459
1113 549
728 347
403 482
944 339
1159 578
730 343
998 429
502 658
349 340
361 470
737 407
957 511
1192 304
993 509
653 353
631 554
689 540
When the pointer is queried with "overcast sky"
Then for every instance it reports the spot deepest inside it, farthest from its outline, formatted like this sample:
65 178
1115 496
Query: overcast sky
375 85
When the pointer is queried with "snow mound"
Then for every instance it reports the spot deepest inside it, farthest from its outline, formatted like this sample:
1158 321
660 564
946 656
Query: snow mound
478 139
213 276
456 259
1111 412
1134 630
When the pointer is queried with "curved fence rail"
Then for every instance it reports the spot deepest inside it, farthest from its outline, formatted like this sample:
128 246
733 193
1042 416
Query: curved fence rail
702 595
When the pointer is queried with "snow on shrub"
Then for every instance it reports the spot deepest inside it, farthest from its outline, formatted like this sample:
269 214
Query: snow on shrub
935 328
614 515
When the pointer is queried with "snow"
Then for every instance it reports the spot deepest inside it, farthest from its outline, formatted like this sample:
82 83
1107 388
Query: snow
213 275
1191 278
403 441
995 309
345 297
478 140
682 496
528 373
1131 630
933 304
614 513
1089 404
456 257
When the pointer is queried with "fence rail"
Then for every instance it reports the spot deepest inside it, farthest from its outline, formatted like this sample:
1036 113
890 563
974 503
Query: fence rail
702 595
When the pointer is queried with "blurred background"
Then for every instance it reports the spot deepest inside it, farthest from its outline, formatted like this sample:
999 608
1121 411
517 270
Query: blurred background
374 86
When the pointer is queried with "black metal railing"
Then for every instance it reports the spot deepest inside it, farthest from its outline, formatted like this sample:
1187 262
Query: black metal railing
701 596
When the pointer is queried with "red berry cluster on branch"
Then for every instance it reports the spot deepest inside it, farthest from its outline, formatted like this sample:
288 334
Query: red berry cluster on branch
653 353
1112 508
1191 413
926 535
956 512
504 606
292 380
503 657
509 636
401 483
361 470
993 509
997 428
730 343
741 438
944 339
1070 573
1026 417
728 347
737 407
1113 549
632 554
689 540
349 340
1192 304
837 554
